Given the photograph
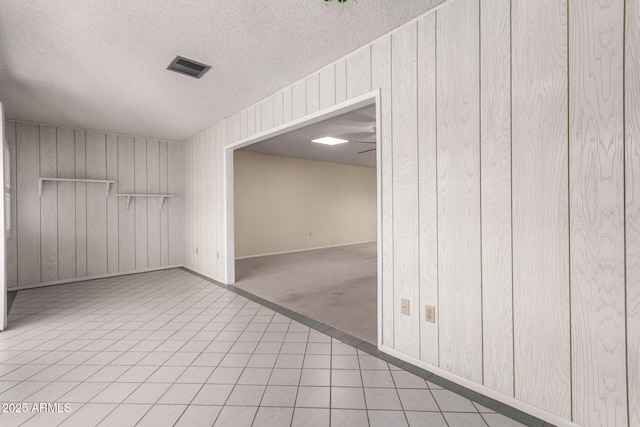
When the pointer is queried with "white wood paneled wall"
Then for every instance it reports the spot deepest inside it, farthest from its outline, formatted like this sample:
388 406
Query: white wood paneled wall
510 132
632 219
540 205
381 78
596 180
73 231
495 166
458 189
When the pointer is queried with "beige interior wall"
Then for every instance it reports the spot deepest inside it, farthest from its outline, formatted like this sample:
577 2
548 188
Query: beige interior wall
285 203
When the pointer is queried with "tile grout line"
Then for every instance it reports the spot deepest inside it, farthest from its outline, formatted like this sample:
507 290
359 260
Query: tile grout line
85 380
448 385
231 311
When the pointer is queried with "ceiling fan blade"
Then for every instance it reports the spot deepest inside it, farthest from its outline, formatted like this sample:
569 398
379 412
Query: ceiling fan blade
359 134
366 151
364 142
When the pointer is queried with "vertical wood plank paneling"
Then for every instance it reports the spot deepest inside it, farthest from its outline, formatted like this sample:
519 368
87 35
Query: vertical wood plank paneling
259 126
202 168
251 120
299 99
341 80
218 226
503 313
192 202
359 72
48 206
381 78
244 126
278 108
189 224
597 213
96 205
174 205
286 104
215 229
195 199
497 290
220 206
327 86
153 205
74 231
206 243
188 201
198 187
459 190
204 229
112 204
28 202
267 115
204 240
139 204
12 241
196 196
632 147
313 93
236 127
164 217
212 177
66 204
81 204
427 185
405 185
126 217
540 205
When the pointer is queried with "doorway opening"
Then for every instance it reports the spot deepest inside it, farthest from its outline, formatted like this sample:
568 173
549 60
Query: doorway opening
303 218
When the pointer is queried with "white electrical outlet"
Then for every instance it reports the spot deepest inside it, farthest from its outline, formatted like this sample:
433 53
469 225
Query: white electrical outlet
430 313
405 307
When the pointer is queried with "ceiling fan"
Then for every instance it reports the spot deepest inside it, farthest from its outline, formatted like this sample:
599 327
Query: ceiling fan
365 135
365 142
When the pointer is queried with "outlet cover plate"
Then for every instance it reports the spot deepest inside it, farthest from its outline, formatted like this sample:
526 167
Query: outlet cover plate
430 313
405 307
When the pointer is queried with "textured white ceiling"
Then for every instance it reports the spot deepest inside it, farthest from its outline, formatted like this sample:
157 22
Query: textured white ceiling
357 125
102 64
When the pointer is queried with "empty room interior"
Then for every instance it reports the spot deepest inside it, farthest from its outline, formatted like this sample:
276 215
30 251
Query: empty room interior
305 218
320 213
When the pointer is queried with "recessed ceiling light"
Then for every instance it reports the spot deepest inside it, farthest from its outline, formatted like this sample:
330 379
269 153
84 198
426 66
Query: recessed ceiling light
329 140
188 67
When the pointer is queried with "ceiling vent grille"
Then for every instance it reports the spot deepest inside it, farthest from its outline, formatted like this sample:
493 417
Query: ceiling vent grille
188 67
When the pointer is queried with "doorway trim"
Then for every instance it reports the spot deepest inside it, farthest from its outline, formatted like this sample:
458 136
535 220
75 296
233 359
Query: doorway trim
369 98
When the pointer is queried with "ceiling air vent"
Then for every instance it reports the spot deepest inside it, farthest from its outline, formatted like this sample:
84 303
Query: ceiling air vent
189 67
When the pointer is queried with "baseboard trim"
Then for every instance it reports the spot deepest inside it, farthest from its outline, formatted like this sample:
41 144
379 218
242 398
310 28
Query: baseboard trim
204 275
304 250
88 278
478 388
498 402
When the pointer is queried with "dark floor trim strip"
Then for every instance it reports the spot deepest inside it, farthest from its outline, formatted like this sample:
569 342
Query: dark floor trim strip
11 297
371 349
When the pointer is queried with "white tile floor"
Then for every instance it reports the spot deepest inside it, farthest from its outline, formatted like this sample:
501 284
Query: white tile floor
168 348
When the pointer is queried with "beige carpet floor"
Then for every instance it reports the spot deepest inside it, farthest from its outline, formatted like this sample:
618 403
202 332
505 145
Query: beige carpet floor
336 286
